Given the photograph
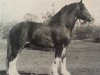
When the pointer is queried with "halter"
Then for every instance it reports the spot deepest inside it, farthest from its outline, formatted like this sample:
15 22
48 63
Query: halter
80 12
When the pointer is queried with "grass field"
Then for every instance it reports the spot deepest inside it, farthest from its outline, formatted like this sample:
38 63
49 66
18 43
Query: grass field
83 58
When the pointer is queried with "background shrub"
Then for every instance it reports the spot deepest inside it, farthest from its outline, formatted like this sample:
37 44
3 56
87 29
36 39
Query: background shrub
96 34
5 29
83 32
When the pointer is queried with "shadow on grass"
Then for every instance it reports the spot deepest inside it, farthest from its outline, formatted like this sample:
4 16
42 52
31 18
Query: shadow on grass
21 73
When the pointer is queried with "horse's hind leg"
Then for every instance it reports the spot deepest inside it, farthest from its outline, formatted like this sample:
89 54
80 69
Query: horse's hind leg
11 63
64 70
11 60
12 69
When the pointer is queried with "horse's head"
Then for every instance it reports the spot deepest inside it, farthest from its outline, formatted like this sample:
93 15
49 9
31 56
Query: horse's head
83 13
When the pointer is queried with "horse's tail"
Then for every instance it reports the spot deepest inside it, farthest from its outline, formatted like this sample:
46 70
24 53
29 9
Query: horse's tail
8 52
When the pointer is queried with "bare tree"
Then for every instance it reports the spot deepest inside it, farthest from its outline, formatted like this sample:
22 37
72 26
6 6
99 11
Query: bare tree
46 18
30 17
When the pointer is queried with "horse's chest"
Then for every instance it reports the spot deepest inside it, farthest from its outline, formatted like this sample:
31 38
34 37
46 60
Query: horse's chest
61 35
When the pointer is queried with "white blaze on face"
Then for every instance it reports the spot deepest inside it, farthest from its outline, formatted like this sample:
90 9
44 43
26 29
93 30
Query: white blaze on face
12 67
55 66
64 70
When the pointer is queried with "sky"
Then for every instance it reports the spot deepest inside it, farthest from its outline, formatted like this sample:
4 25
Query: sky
16 9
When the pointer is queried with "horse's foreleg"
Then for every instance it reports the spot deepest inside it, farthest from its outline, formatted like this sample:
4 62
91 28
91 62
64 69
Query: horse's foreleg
55 66
12 69
57 62
64 70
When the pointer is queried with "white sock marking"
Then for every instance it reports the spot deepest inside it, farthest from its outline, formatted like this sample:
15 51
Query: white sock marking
12 67
55 66
64 70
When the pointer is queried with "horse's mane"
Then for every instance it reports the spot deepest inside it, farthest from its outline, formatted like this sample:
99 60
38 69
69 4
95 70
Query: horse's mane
67 8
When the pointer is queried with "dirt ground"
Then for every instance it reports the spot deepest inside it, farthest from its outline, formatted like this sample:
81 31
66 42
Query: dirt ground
83 58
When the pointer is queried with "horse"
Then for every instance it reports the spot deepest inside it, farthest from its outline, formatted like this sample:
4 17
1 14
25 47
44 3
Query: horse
55 34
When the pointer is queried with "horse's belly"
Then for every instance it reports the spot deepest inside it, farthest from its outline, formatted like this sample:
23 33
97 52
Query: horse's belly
42 37
43 42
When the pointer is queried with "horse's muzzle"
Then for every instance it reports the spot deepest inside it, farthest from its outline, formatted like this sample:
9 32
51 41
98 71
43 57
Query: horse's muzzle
90 20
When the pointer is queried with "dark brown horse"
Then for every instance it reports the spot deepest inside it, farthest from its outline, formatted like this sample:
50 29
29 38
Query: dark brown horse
56 34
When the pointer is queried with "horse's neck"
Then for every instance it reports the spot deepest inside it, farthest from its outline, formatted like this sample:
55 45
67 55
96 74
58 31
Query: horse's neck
62 19
67 20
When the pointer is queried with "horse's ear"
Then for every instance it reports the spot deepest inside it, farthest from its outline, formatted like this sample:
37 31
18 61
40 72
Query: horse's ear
81 1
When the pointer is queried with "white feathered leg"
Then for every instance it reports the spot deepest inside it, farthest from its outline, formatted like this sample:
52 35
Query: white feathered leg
12 70
55 66
64 70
